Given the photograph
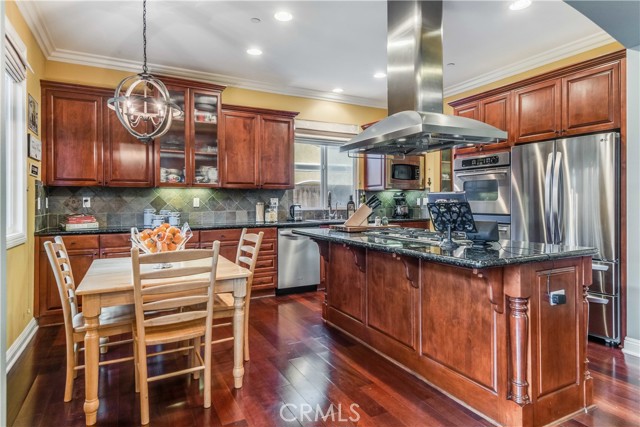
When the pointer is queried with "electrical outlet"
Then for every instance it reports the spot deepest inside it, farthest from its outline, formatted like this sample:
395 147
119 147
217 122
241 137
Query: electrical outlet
196 202
46 203
86 202
557 297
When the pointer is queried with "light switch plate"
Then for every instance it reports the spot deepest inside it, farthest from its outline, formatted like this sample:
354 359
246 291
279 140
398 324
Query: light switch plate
196 202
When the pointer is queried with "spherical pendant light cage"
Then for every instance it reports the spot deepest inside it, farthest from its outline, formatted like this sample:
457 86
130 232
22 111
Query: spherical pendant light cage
142 102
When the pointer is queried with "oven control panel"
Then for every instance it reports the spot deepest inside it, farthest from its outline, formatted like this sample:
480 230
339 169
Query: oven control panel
485 161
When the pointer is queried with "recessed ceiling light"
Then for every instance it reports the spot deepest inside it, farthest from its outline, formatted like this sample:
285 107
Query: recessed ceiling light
451 64
520 4
254 51
256 20
380 75
283 16
338 90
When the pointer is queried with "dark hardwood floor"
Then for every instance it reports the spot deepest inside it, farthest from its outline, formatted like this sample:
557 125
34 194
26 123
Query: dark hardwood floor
295 360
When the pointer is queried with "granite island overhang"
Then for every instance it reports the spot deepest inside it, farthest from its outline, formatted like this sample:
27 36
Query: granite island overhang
478 324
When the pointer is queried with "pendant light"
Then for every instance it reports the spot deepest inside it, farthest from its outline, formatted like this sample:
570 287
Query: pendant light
142 102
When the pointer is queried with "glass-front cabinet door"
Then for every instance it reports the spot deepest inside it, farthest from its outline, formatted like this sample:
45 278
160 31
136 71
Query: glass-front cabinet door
446 180
172 147
205 108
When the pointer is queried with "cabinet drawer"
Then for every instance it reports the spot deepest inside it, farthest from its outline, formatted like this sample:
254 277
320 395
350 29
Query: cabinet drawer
75 242
268 247
232 234
269 232
264 281
266 264
115 240
115 253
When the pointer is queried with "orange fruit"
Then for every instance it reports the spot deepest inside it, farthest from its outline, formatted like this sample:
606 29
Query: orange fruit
148 243
172 246
178 238
164 247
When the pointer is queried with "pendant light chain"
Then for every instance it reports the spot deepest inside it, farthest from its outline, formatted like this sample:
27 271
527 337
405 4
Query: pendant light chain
144 35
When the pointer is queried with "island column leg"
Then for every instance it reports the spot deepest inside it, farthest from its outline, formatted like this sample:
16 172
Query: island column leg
588 380
518 332
91 311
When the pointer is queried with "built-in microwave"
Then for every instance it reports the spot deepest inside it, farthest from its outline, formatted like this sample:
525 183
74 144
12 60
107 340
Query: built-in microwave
405 173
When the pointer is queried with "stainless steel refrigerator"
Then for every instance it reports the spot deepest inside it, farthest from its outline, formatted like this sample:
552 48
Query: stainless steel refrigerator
566 191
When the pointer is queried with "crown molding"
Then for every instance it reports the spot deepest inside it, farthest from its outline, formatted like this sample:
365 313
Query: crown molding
561 52
81 58
31 14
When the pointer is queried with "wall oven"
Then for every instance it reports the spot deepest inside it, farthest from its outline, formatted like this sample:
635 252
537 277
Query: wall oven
487 181
405 173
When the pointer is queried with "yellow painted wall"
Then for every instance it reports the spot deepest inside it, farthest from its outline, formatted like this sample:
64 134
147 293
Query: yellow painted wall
20 259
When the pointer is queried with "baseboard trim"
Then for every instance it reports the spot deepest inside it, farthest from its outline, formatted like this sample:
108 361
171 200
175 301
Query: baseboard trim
15 351
631 347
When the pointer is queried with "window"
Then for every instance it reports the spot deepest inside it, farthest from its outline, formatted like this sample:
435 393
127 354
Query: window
14 137
321 168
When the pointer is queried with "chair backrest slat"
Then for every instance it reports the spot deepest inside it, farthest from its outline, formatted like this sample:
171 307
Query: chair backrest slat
175 271
61 266
249 244
175 302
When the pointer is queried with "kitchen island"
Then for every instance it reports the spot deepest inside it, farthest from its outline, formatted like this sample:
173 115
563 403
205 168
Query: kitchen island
478 324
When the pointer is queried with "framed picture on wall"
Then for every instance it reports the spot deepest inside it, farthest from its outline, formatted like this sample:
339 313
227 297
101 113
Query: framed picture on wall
35 148
33 115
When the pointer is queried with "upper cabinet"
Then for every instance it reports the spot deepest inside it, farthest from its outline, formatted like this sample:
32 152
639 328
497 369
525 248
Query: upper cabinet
188 153
579 99
256 148
494 110
86 145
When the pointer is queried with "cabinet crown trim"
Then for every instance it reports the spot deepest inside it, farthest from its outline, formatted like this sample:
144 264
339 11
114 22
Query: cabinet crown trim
265 111
560 72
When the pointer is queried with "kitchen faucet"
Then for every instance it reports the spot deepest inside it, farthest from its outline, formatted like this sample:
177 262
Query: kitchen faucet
331 215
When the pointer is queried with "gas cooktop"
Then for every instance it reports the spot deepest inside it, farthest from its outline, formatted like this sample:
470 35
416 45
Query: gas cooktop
407 234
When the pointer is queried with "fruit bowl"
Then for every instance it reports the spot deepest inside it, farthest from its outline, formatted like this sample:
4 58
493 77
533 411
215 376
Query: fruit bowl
164 238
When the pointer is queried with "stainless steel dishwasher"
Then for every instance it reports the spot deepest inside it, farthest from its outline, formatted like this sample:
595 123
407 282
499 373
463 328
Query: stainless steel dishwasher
298 263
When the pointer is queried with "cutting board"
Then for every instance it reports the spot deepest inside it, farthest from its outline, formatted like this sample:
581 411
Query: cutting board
360 228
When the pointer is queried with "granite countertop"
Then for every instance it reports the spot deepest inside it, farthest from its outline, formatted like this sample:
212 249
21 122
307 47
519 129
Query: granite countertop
504 252
220 225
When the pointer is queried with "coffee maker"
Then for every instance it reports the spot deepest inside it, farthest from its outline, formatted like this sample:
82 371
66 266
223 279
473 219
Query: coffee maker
401 209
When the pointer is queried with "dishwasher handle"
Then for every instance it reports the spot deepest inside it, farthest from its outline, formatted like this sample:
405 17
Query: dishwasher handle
289 234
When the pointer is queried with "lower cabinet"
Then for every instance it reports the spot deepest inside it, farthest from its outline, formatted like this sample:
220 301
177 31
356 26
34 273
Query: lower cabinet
83 249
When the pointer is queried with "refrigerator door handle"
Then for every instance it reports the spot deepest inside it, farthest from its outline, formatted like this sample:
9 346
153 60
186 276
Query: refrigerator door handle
558 223
600 267
547 199
597 300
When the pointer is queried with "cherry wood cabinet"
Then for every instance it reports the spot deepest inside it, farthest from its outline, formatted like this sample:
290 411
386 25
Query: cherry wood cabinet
578 99
82 251
72 135
85 144
494 110
591 100
187 155
256 148
537 111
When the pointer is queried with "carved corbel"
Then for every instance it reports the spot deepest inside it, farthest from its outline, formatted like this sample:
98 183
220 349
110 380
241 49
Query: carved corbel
359 257
411 269
495 288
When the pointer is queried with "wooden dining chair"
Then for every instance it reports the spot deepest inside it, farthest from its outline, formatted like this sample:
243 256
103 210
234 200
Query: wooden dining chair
113 320
247 257
174 305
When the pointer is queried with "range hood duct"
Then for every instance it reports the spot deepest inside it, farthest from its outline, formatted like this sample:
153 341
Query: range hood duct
416 123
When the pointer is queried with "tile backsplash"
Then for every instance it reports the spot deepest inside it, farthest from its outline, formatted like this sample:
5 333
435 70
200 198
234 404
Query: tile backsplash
115 207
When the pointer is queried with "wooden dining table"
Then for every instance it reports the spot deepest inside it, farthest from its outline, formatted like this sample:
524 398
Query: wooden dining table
108 283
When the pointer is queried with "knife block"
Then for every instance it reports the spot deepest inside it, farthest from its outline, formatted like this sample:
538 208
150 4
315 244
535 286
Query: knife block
359 217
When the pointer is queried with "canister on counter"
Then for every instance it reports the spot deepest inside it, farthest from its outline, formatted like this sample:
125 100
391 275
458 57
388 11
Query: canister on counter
148 217
259 212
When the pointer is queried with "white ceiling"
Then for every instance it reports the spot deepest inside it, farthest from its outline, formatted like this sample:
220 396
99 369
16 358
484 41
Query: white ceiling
328 44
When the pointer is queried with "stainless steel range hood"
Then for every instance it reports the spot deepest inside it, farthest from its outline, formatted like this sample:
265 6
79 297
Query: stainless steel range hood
414 75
